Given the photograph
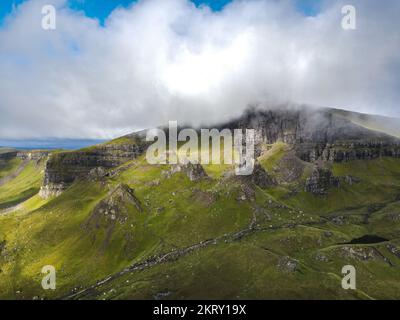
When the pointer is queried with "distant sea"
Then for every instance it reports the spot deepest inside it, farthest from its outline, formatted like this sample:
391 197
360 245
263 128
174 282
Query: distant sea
49 144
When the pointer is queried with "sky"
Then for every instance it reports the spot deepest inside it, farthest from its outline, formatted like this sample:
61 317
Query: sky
101 12
116 66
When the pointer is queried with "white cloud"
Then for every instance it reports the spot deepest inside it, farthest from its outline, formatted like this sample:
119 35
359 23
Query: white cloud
168 60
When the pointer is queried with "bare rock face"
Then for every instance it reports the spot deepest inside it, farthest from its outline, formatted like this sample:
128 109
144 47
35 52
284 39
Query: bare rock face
63 168
349 150
286 264
32 155
317 133
302 124
393 249
51 190
7 155
320 181
360 253
261 178
97 174
194 172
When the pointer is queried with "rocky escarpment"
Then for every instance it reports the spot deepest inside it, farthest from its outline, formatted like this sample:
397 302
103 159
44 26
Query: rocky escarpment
26 156
347 151
6 155
63 168
317 134
114 207
261 178
35 155
193 171
320 181
314 135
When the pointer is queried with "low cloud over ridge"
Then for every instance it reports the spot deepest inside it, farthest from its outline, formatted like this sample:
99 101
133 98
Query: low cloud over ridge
170 60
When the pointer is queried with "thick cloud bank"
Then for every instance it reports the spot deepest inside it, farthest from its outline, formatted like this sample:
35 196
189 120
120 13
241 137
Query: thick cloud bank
169 60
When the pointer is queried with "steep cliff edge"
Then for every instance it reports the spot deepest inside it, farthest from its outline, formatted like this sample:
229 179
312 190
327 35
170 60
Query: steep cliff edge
63 168
7 154
318 133
315 135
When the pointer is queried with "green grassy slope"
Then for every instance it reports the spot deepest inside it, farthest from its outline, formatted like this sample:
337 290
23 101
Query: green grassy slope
378 183
202 239
8 167
23 186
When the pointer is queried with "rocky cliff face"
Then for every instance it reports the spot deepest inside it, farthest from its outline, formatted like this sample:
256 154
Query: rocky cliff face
5 156
194 172
32 155
320 181
317 134
348 150
64 168
294 125
261 178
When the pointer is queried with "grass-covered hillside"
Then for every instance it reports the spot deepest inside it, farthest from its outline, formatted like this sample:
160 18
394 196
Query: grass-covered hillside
155 232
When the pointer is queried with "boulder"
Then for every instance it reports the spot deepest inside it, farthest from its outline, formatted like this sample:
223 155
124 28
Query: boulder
193 171
286 264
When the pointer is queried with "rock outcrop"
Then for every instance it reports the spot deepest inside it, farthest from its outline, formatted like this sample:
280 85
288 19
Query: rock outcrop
32 155
51 190
261 178
348 150
117 208
193 171
288 265
7 155
63 168
320 181
361 253
317 134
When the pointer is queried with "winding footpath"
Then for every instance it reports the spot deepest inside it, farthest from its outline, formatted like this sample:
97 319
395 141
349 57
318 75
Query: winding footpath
178 253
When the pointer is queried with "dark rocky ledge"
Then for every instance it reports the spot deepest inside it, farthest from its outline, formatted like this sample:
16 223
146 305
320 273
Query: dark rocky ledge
63 168
316 135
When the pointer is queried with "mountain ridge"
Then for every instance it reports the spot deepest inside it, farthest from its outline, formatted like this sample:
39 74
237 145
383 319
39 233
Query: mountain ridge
316 134
120 228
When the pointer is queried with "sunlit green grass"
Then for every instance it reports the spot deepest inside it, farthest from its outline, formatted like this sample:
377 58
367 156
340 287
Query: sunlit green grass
9 167
178 213
22 187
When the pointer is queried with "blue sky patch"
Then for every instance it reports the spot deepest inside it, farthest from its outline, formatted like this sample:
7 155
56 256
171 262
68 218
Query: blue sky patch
6 8
94 9
308 7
